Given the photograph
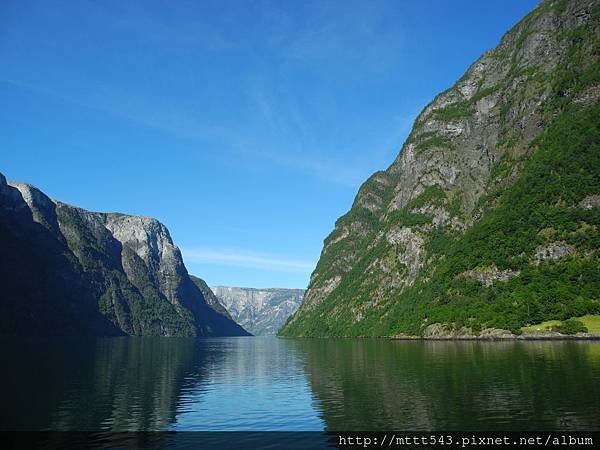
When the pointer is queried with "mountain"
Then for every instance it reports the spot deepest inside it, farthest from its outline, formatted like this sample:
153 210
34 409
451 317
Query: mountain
210 297
68 271
260 311
488 218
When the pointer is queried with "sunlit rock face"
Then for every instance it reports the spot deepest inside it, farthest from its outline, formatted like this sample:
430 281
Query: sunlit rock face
497 181
260 311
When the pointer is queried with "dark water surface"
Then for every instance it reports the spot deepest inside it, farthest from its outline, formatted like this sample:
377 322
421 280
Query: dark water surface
130 384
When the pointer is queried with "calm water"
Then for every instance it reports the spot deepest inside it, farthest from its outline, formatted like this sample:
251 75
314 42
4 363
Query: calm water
121 384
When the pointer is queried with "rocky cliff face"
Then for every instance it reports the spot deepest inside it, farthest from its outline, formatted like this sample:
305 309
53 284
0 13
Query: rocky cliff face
65 270
497 168
260 311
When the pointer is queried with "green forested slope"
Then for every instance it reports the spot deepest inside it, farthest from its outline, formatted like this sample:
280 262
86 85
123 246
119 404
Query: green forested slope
488 218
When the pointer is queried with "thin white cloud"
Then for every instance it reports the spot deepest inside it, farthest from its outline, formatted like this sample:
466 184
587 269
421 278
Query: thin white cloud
283 117
285 135
237 258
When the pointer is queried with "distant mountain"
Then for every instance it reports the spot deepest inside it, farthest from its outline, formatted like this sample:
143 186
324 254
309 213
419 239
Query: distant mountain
488 220
68 271
260 311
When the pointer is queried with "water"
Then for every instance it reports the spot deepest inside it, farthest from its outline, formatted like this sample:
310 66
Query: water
127 384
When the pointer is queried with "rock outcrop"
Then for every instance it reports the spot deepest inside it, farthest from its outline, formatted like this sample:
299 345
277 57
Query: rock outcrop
68 271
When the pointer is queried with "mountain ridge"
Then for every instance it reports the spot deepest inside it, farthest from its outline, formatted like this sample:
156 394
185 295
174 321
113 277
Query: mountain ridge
456 237
260 311
69 271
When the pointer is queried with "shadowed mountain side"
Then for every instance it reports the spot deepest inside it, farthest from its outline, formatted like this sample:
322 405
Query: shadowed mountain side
209 296
43 291
68 271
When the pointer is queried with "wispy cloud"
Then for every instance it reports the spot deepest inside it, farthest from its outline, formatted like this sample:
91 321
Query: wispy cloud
250 260
185 126
281 102
297 139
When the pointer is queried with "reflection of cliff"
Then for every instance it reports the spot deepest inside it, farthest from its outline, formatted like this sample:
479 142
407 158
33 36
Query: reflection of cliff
118 384
384 385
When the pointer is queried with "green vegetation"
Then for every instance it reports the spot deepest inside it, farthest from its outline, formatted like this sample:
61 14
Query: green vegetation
454 112
435 141
569 287
591 323
483 92
570 326
530 201
432 195
576 72
131 301
455 203
502 168
404 218
506 237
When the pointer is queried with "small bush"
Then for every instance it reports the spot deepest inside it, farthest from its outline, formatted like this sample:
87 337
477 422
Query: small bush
570 326
454 112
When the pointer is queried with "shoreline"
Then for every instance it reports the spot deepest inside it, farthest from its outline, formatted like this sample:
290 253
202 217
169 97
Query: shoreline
485 338
506 337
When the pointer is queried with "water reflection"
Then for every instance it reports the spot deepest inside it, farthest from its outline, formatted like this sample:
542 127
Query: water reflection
400 385
123 384
133 384
259 385
116 384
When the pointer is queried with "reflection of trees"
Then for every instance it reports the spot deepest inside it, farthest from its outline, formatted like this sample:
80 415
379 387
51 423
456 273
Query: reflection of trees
117 384
437 385
121 384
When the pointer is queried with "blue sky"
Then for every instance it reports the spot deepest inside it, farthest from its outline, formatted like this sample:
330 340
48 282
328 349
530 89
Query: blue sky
245 126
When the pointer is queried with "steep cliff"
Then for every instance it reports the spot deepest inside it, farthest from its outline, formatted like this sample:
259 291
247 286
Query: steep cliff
488 218
68 271
260 311
210 297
